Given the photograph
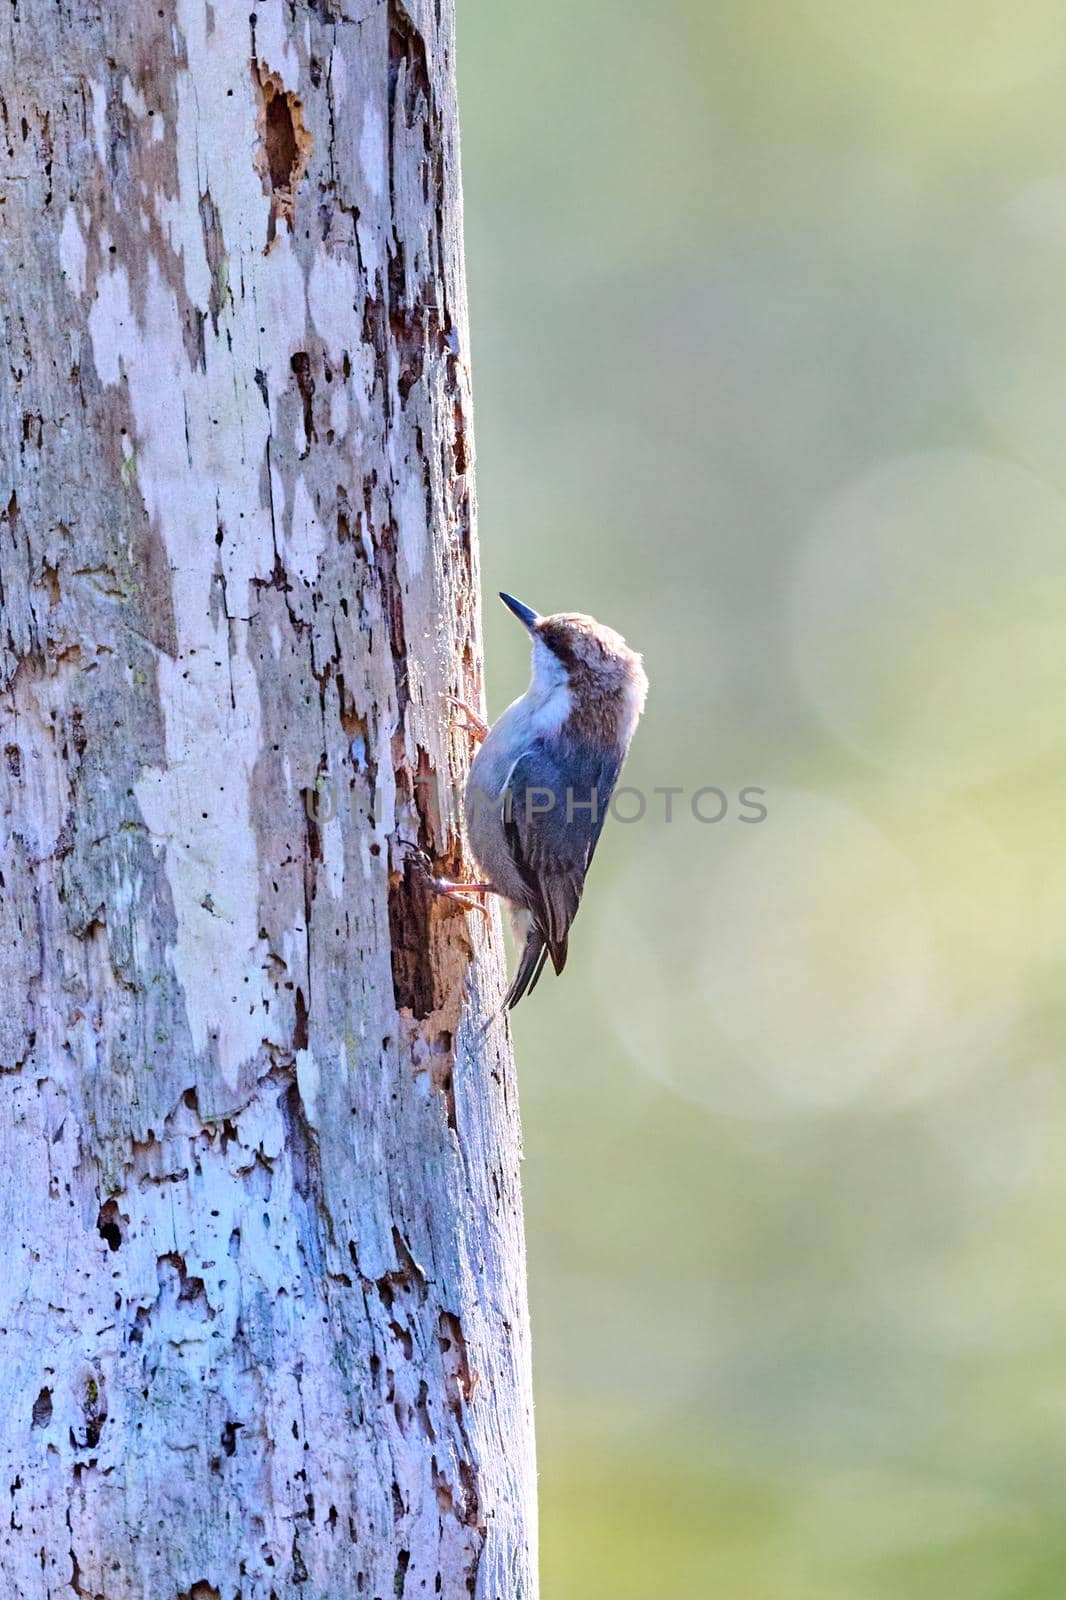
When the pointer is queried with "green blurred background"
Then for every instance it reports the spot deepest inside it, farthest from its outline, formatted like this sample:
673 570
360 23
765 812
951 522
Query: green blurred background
769 341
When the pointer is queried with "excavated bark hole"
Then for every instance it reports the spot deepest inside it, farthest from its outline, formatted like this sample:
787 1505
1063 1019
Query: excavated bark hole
410 898
301 1142
406 1277
462 1381
192 1290
280 140
42 1409
94 1413
285 146
407 55
300 1033
107 1225
412 966
300 364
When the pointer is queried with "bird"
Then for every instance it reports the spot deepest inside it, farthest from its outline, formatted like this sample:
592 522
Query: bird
542 779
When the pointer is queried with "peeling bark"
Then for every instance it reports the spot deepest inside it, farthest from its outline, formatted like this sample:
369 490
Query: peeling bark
262 1319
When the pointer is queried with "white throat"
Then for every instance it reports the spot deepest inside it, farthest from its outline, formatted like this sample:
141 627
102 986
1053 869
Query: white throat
548 696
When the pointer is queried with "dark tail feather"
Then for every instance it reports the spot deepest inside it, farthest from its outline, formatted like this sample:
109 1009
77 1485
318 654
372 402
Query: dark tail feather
530 967
534 956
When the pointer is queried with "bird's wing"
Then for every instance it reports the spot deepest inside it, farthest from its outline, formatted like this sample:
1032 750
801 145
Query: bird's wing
553 812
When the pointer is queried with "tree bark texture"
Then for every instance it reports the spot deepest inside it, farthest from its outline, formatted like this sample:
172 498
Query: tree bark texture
262 1310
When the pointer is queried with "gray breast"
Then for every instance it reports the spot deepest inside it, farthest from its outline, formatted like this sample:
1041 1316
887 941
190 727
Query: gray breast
484 804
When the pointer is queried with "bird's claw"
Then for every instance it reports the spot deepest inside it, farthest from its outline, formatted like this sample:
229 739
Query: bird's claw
474 724
453 892
457 893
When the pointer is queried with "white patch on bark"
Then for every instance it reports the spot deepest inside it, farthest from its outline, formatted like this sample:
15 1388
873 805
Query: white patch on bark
332 294
333 856
372 149
197 808
338 412
306 539
205 773
72 251
414 534
99 94
307 1077
338 78
133 99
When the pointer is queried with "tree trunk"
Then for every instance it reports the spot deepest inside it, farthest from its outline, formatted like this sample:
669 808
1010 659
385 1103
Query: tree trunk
262 1313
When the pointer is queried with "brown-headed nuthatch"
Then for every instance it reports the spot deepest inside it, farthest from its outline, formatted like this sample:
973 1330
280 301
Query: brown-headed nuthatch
541 782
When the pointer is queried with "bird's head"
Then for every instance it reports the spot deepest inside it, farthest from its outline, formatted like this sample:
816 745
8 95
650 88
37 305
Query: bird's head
603 675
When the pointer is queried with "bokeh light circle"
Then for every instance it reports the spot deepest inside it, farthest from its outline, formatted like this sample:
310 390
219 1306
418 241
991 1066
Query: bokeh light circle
821 962
928 618
1013 321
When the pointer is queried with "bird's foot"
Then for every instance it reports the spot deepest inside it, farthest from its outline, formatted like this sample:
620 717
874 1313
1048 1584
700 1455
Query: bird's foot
474 725
457 893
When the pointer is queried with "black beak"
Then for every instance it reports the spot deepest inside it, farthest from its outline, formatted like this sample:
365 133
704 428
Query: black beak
525 614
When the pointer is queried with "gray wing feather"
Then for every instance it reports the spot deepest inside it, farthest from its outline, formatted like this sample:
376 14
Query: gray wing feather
552 846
